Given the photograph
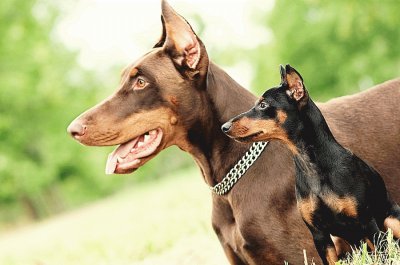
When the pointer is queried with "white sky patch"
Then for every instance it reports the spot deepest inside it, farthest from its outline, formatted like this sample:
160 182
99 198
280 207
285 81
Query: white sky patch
113 32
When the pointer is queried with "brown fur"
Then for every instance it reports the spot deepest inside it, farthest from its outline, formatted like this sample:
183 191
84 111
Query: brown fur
331 255
257 222
341 246
375 143
345 205
281 116
266 129
133 72
370 244
307 208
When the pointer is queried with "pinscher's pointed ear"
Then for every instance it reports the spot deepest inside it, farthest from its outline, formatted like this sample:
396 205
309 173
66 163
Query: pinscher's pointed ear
295 88
179 39
283 74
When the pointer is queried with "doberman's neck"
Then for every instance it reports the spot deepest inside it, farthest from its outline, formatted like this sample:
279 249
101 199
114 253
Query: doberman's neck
215 153
314 138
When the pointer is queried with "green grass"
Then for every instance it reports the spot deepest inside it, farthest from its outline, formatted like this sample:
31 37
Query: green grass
164 222
386 252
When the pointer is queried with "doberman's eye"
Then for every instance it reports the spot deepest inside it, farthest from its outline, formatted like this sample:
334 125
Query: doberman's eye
139 84
262 106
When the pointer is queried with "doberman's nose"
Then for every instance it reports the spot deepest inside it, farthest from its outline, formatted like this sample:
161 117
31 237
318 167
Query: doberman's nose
226 126
76 129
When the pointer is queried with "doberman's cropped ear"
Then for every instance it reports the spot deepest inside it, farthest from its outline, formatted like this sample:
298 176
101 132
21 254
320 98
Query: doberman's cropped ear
161 42
180 40
294 83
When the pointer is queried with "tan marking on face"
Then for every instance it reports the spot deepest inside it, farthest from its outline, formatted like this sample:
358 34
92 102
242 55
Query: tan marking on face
173 120
394 224
345 205
272 130
239 128
331 255
282 116
106 129
133 72
307 206
269 129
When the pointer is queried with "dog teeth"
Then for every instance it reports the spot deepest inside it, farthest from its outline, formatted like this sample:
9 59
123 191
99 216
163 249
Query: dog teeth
146 137
140 144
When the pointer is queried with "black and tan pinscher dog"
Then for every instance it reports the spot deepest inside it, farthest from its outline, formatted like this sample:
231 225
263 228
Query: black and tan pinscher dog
174 95
337 192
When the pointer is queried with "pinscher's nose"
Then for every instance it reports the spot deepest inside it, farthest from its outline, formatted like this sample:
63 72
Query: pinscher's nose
226 126
76 129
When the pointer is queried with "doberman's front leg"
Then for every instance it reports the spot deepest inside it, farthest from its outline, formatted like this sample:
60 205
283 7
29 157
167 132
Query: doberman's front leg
324 245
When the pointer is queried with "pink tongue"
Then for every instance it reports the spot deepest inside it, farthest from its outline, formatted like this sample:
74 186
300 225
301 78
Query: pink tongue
121 151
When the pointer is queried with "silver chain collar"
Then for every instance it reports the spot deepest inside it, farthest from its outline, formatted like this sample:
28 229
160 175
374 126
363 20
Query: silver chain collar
238 170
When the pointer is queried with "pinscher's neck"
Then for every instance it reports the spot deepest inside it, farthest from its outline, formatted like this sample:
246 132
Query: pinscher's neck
313 136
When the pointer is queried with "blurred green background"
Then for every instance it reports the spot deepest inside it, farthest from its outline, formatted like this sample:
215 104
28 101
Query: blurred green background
340 47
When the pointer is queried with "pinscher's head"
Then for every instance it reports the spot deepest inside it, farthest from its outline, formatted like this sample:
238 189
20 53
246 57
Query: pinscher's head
275 115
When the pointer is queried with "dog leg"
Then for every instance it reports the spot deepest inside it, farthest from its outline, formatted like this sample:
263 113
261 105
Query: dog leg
342 246
324 245
372 231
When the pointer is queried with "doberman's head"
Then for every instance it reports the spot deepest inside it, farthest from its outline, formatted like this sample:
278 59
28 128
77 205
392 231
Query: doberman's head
150 109
275 115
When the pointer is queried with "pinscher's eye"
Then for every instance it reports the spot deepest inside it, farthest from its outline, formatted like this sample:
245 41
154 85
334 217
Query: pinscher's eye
262 105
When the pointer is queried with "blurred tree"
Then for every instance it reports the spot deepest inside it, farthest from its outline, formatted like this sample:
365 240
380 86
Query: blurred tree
339 47
41 91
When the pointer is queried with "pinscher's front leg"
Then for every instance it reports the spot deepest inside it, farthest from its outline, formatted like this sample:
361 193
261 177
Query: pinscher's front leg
324 245
371 231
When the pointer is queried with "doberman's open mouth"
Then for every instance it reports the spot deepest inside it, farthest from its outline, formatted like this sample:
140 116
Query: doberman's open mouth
128 156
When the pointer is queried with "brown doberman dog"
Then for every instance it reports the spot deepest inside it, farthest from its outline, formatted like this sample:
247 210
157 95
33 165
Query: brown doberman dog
174 95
